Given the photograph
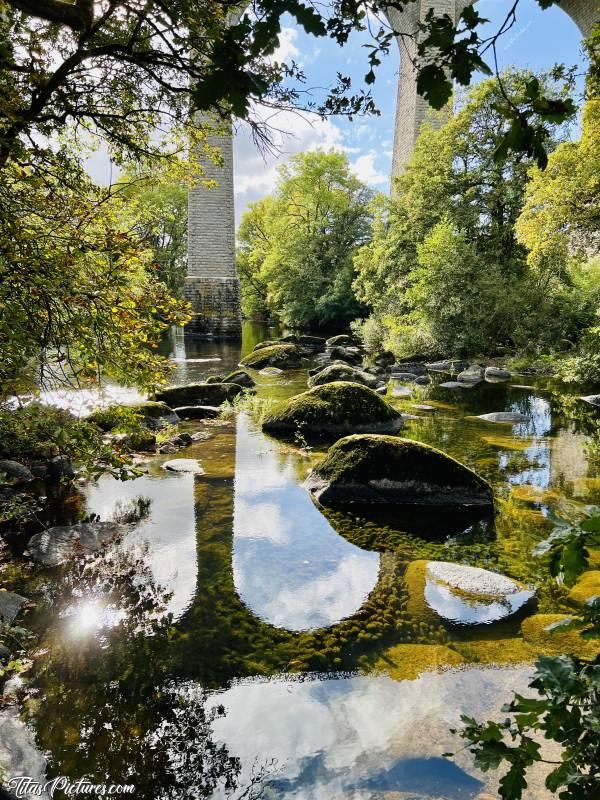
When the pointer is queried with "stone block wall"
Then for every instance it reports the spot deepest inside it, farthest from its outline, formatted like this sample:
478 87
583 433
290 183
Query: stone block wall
212 286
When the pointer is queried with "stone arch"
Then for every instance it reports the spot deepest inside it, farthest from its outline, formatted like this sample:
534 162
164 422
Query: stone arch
212 285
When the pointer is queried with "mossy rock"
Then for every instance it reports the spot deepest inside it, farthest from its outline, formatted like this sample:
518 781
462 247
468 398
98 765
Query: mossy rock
241 378
266 343
543 632
343 340
275 355
215 379
405 662
342 372
587 586
334 410
151 414
201 394
387 470
313 344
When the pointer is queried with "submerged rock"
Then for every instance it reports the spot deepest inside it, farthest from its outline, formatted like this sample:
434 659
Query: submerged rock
184 465
405 377
240 377
334 409
200 394
495 374
271 372
10 605
423 407
454 385
55 545
279 355
342 372
463 595
386 470
511 417
414 367
198 412
401 391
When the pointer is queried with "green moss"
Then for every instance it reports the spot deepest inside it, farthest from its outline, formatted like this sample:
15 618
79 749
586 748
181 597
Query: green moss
363 457
408 661
342 372
215 379
509 650
335 407
274 355
587 586
415 577
539 633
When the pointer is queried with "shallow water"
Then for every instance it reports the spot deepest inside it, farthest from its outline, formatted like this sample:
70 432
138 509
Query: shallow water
235 642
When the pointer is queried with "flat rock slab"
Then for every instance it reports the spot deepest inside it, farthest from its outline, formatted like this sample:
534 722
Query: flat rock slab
423 407
509 417
409 377
592 399
455 385
200 436
271 372
197 412
472 596
494 374
10 605
184 465
401 391
55 545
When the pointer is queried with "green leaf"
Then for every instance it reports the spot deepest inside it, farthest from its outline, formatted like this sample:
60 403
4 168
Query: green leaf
513 783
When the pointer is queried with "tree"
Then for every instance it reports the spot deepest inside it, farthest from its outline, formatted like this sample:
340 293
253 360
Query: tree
79 297
122 68
444 270
157 202
252 251
299 243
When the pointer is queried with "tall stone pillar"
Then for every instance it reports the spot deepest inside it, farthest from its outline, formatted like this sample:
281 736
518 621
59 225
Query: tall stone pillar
212 286
411 108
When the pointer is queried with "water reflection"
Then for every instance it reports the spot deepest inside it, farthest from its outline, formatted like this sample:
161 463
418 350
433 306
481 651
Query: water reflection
167 537
290 566
361 737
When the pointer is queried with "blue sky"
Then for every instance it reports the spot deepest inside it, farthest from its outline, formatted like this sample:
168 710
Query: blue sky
539 40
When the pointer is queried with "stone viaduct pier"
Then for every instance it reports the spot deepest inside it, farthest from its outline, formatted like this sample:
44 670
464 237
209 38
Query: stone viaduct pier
212 285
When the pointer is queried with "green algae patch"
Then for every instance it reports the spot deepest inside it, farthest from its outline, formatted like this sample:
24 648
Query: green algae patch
527 493
274 355
388 470
414 578
587 586
334 409
508 442
542 633
508 650
408 661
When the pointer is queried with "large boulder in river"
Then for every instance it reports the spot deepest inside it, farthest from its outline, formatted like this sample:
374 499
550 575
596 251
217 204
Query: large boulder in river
389 471
342 372
200 394
283 356
56 545
334 410
310 344
462 595
342 340
14 473
497 374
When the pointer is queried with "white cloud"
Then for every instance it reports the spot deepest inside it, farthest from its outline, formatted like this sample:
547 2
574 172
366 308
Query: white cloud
255 173
364 168
287 50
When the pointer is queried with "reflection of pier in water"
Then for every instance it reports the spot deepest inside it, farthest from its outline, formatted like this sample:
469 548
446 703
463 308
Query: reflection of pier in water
270 567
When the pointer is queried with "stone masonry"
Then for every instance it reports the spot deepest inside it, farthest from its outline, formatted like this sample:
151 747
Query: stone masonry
212 285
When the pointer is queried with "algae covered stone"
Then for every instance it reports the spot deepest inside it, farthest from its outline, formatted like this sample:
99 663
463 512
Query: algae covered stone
342 372
275 355
587 587
200 394
334 409
387 470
